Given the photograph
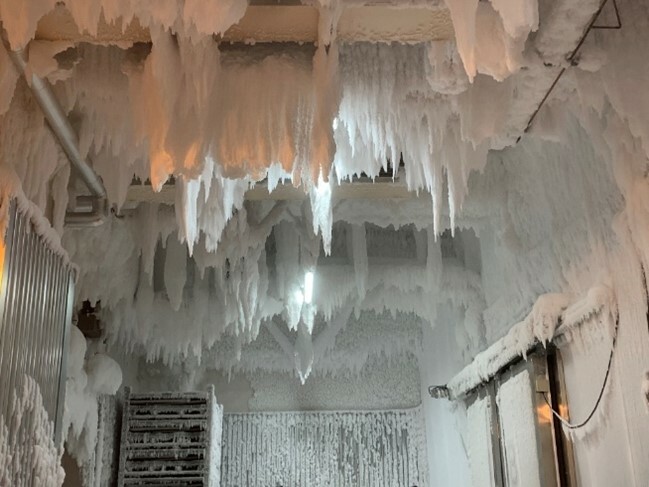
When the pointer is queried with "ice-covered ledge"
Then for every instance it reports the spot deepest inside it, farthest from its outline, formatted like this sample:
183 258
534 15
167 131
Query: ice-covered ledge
554 318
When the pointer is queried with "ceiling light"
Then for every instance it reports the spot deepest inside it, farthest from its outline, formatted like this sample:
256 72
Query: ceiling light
308 287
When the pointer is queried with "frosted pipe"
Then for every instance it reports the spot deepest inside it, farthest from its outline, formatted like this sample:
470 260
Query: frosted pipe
524 336
60 126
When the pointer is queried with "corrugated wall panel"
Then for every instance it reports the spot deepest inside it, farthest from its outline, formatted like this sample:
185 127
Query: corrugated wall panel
336 449
36 298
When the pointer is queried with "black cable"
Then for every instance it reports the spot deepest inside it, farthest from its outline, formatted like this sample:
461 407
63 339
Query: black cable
618 20
572 426
572 55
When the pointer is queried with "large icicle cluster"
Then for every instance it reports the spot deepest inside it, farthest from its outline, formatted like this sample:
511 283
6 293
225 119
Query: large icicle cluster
221 118
187 109
147 283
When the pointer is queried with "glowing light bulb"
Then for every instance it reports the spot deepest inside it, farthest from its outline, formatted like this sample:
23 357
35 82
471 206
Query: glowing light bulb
308 287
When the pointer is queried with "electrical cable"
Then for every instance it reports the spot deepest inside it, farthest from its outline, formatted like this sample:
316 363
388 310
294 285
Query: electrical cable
572 426
571 57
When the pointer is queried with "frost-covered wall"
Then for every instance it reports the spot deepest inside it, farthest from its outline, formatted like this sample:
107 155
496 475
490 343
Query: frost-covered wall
383 383
572 214
373 364
378 448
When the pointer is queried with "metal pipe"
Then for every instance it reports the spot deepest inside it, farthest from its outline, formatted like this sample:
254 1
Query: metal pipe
63 131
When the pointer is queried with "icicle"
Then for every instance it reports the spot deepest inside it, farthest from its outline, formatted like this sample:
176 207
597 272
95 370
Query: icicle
8 77
463 14
303 352
175 271
320 196
359 251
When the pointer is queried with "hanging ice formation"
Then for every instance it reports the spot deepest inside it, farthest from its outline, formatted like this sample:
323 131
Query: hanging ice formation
203 115
221 120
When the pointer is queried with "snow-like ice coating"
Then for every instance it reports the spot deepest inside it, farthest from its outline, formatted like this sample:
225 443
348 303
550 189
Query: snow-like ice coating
551 229
28 455
340 448
86 381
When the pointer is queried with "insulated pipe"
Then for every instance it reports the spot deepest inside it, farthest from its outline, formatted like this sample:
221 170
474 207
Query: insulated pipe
60 126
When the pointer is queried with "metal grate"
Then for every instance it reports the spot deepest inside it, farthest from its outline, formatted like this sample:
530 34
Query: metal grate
36 298
170 439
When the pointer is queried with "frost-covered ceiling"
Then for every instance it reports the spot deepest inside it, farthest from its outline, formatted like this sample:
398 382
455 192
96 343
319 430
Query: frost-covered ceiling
261 141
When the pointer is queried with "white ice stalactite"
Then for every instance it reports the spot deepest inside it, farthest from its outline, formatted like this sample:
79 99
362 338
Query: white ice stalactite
170 94
463 14
175 271
320 196
287 255
490 43
20 20
520 17
359 251
326 85
8 77
303 352
195 19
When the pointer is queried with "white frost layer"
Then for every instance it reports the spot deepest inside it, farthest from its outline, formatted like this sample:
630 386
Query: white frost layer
316 448
28 455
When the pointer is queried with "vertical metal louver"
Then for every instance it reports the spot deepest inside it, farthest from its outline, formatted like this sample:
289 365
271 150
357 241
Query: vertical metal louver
36 299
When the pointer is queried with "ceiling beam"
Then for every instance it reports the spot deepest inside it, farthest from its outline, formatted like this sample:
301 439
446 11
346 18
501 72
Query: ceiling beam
277 23
139 193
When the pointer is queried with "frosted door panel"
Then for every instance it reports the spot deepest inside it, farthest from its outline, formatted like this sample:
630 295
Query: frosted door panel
480 447
518 426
